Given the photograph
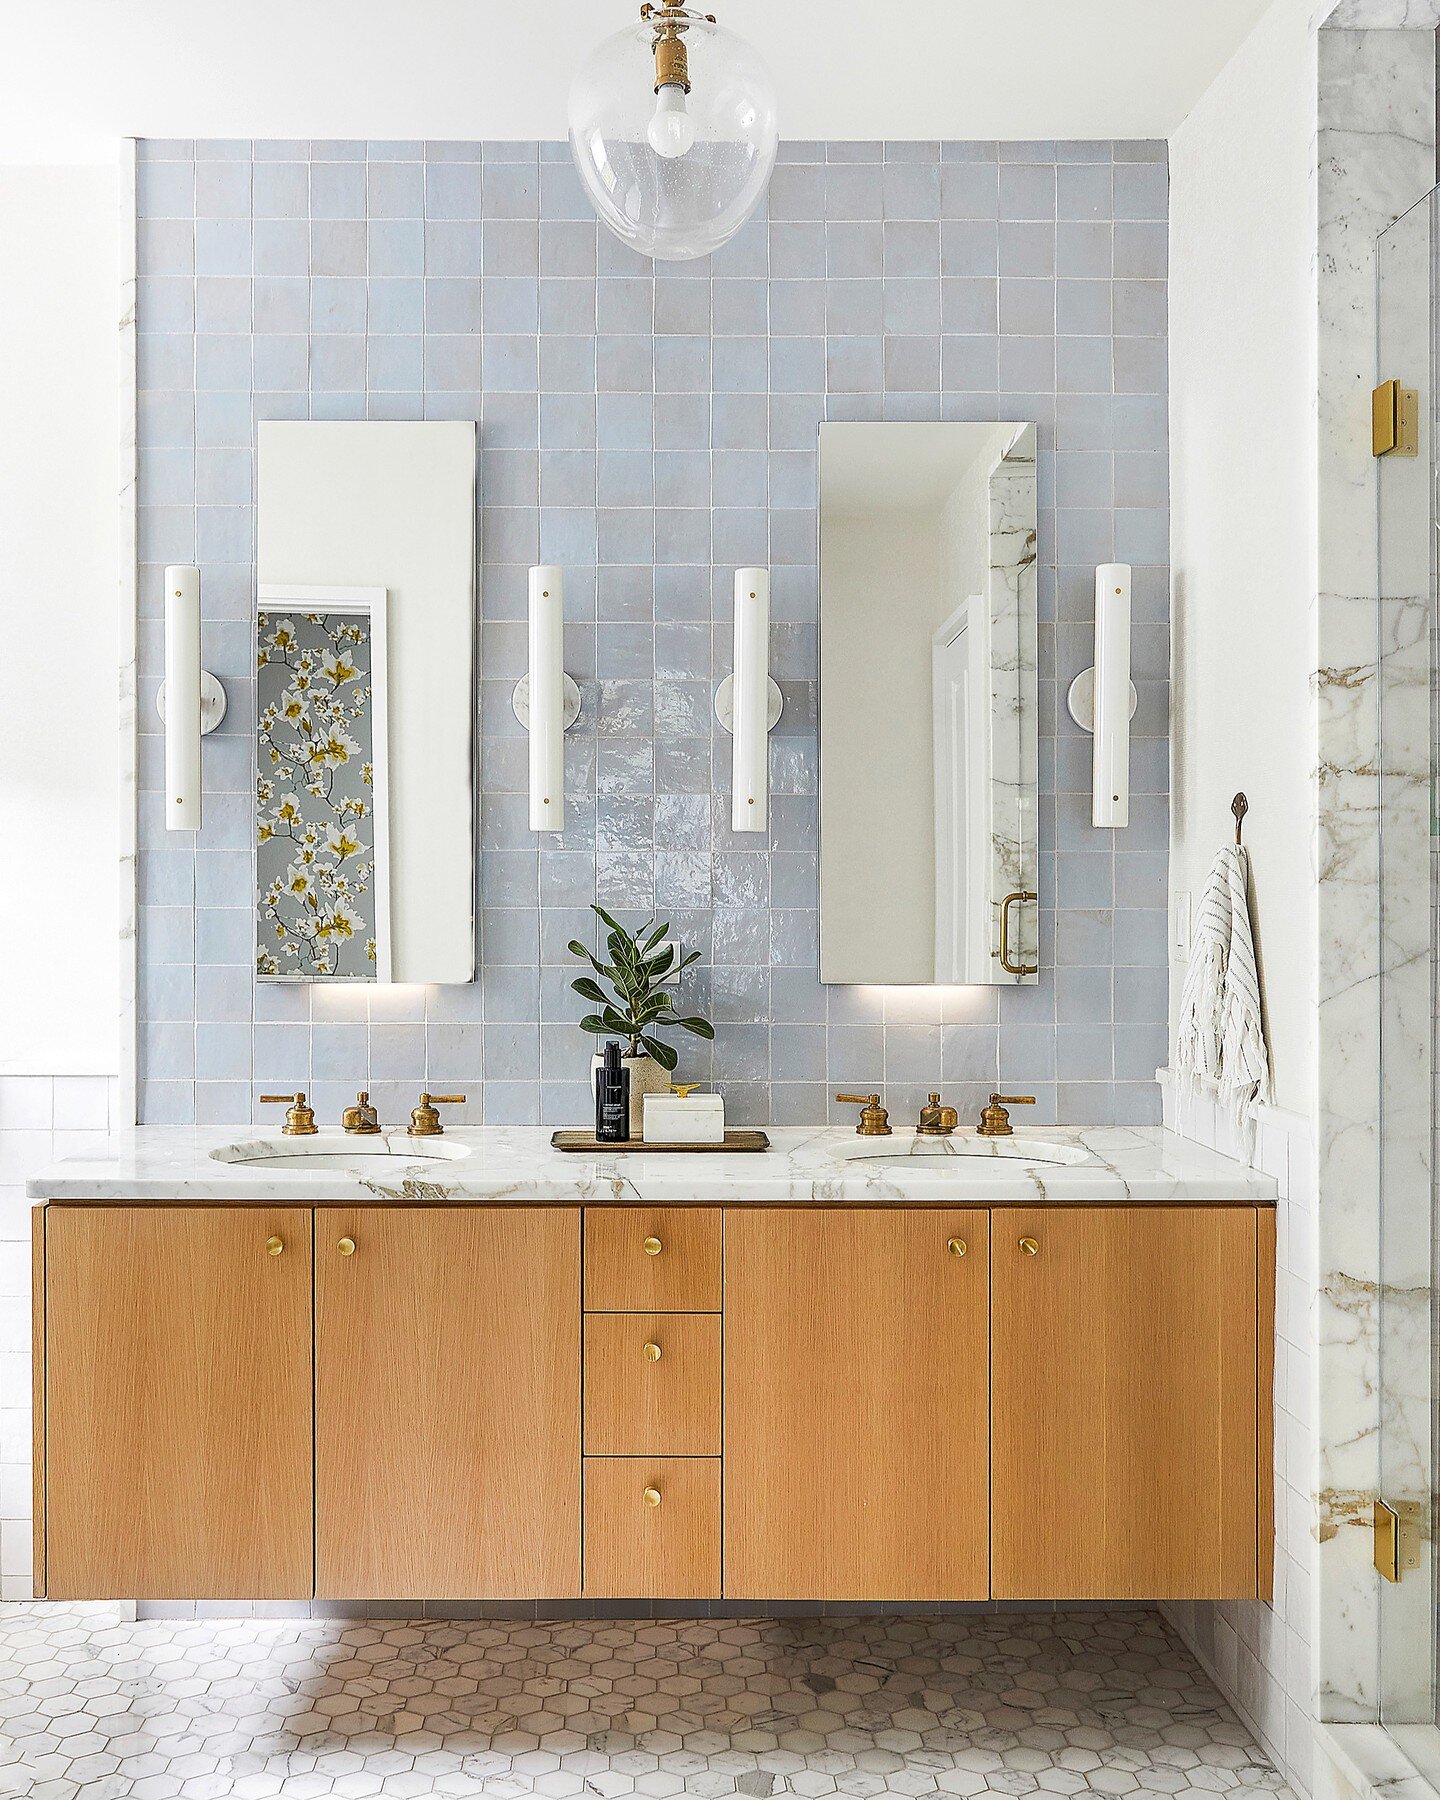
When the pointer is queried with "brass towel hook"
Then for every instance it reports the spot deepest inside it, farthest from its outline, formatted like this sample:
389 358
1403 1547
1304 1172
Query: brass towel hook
1239 806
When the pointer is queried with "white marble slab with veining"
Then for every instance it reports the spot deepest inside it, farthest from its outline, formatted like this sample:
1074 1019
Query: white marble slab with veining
512 1163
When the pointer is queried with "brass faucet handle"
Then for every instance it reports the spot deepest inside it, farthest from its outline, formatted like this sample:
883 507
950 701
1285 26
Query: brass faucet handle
995 1120
424 1120
361 1119
299 1118
874 1119
937 1120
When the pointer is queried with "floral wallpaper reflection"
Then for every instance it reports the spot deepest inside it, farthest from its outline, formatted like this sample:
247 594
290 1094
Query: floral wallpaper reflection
319 857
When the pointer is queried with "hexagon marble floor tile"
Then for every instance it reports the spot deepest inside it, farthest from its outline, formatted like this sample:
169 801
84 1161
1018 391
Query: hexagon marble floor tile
1055 1703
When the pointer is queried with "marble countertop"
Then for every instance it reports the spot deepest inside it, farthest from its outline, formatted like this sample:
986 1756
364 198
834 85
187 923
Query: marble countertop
810 1165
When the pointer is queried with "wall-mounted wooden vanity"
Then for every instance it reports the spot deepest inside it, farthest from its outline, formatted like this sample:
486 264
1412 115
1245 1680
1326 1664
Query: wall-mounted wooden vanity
898 1402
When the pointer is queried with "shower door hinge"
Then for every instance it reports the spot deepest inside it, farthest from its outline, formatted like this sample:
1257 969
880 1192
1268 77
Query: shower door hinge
1397 1537
1394 420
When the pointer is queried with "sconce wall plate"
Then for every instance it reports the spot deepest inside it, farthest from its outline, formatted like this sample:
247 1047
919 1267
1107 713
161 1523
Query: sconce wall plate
520 701
213 702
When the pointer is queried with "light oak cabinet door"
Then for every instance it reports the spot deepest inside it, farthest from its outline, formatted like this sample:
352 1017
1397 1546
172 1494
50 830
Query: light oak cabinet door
177 1403
856 1404
1124 1403
447 1402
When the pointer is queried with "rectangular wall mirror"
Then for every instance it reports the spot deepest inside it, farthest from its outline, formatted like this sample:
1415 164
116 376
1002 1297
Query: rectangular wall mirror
928 757
365 683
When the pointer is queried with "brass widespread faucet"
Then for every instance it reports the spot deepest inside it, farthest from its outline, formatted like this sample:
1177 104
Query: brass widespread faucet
361 1119
299 1118
937 1120
874 1119
995 1121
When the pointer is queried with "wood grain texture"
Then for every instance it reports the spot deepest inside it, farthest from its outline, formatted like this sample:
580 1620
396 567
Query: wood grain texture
1124 1405
1265 1402
635 1407
683 1277
634 1551
37 1400
177 1403
447 1403
856 1405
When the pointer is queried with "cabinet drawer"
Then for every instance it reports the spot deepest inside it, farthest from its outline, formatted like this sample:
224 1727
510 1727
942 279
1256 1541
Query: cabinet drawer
652 1259
652 1384
638 1546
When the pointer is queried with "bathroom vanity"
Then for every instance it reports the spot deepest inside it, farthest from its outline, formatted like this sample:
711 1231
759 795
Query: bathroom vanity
943 1376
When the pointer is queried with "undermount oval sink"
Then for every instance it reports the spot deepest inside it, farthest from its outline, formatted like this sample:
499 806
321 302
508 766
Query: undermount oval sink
385 1156
954 1153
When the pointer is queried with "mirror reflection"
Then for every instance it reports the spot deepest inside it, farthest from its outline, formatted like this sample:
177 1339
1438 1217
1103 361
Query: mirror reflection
928 758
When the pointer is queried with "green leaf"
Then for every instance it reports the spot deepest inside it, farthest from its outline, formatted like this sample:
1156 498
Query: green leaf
615 1021
593 1022
653 939
658 965
590 990
605 918
701 1027
663 1054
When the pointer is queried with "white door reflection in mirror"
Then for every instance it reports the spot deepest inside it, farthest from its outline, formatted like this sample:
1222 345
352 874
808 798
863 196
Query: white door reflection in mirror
928 757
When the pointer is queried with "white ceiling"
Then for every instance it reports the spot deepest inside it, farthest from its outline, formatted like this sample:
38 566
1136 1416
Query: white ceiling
78 74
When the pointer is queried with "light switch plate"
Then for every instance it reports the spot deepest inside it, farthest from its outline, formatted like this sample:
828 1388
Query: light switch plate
1180 926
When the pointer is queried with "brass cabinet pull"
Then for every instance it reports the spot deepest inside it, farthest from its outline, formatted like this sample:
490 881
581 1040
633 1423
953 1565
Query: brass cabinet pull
651 1496
1003 953
346 1246
1030 1246
652 1353
274 1245
652 1246
956 1246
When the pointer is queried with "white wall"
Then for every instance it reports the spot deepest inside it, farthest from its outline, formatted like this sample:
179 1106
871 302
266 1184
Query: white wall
59 464
1243 483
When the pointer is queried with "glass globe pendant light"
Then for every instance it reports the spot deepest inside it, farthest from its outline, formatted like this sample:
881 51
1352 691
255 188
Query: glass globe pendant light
672 127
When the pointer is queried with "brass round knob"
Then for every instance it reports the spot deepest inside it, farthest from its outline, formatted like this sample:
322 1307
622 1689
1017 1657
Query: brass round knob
1031 1246
346 1246
956 1246
274 1245
651 1496
652 1353
652 1246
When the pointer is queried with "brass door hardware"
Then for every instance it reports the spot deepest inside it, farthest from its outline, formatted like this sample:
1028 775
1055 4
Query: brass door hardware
274 1246
346 1246
874 1119
1397 1537
937 1120
299 1118
1002 955
424 1120
1394 420
361 1119
653 1353
652 1246
995 1120
651 1496
956 1246
1030 1246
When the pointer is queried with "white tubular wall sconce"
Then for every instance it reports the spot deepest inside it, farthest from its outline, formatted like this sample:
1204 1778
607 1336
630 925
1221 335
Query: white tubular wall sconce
547 701
748 703
1103 699
191 701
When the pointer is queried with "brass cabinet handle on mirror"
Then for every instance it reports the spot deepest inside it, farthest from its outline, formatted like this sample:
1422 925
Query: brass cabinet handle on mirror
1030 1246
652 1246
274 1245
956 1246
651 1496
346 1246
1019 897
653 1353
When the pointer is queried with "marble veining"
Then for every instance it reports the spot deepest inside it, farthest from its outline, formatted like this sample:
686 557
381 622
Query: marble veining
517 1163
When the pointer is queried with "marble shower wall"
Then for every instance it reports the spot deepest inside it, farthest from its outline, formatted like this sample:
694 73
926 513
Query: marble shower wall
651 427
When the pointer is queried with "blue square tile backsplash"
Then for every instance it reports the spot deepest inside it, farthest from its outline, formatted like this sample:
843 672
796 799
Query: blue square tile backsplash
651 427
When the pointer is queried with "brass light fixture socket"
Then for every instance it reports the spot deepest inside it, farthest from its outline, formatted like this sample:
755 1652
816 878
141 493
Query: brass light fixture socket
672 67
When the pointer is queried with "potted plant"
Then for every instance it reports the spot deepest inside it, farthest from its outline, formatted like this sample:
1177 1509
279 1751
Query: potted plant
637 1005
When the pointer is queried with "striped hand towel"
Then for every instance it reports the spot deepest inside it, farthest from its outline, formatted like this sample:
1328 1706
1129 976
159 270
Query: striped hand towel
1220 1033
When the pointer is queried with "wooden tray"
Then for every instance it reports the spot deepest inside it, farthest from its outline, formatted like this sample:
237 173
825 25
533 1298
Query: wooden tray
740 1139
